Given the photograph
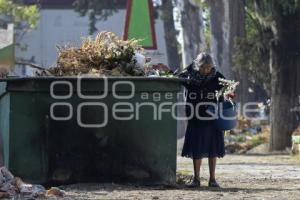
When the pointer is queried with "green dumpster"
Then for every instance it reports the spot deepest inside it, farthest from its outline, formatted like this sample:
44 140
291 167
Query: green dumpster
67 129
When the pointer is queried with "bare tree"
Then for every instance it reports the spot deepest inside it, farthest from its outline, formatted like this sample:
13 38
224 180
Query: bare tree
193 40
227 24
170 34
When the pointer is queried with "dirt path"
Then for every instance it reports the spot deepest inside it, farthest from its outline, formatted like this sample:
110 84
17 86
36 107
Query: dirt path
241 177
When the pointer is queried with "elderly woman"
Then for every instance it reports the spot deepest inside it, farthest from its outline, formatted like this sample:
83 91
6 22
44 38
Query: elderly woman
202 139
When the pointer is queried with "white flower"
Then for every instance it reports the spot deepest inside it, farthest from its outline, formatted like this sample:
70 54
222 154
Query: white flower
229 88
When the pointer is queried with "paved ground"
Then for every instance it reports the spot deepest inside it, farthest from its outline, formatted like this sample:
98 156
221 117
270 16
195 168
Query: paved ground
241 177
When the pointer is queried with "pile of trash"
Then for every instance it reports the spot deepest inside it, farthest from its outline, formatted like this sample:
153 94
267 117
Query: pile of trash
14 187
247 135
107 54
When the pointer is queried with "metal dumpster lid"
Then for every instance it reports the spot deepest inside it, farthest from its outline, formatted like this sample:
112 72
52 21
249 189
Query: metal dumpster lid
53 78
35 84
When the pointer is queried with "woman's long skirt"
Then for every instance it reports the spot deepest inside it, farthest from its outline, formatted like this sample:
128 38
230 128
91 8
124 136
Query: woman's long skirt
202 139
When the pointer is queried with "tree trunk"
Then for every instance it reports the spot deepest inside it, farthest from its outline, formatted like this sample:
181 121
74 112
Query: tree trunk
219 38
237 30
193 41
285 65
170 34
227 25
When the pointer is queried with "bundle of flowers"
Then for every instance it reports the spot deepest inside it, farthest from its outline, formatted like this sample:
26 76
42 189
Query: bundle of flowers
228 89
107 54
159 69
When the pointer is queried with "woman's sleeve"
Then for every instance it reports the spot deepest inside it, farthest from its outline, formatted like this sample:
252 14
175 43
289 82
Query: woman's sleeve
185 74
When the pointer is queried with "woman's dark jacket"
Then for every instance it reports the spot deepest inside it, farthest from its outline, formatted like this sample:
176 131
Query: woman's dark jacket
200 88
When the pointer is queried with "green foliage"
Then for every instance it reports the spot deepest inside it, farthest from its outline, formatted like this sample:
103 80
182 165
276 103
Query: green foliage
288 6
257 140
267 12
241 138
252 53
24 17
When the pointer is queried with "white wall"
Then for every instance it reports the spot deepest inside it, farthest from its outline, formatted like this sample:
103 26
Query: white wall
62 26
7 36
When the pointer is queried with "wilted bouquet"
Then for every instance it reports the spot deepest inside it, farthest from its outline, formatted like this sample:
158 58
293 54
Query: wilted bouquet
228 89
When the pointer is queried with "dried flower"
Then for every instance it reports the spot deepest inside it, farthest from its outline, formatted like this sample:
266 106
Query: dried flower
99 56
229 87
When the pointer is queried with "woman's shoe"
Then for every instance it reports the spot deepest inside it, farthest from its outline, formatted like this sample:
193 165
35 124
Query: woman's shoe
213 183
195 183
